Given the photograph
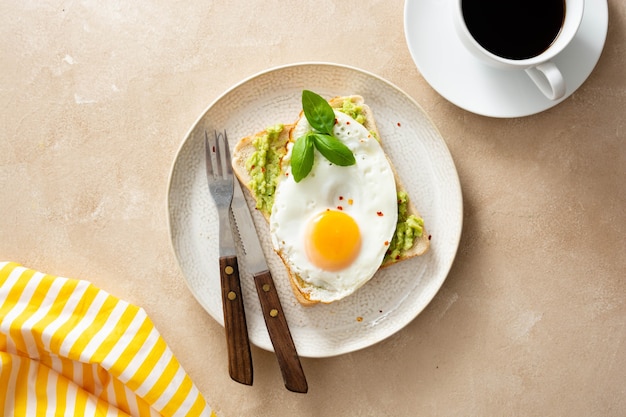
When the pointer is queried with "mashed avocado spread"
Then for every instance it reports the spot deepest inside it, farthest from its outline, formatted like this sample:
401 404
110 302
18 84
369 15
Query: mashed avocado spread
264 167
408 229
356 112
352 110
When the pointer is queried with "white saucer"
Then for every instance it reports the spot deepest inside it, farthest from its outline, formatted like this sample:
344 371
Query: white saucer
465 81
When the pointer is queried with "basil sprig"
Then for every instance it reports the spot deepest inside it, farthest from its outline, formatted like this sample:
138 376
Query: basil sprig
321 117
333 149
318 112
302 157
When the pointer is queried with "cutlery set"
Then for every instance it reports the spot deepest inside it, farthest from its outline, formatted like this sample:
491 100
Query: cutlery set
229 198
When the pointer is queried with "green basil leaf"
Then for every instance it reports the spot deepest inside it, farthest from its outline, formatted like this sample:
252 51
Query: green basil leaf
302 157
318 112
334 150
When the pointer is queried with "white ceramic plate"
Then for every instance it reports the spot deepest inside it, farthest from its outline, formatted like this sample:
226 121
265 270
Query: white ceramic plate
474 86
395 295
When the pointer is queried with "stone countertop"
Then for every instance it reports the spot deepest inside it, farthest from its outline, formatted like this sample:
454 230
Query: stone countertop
98 96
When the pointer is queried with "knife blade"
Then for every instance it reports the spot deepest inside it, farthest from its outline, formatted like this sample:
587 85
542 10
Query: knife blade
273 314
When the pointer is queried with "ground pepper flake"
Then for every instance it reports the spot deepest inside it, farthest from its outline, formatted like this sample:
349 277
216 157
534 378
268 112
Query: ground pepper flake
359 319
379 213
339 208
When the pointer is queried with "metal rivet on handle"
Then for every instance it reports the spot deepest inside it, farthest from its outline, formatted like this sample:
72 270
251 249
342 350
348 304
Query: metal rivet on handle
266 287
229 270
231 295
273 312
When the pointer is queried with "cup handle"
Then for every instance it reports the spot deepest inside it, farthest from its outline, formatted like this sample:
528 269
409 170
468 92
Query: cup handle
548 79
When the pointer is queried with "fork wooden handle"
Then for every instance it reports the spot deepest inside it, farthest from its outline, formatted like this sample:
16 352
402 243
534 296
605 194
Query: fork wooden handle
239 355
276 323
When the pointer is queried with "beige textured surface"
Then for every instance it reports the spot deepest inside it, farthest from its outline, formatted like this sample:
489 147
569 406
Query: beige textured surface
97 96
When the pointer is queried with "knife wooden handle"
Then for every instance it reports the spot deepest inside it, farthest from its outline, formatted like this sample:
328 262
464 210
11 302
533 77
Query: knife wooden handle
239 354
276 323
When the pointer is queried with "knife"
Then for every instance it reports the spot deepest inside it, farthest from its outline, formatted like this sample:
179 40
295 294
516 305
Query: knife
273 313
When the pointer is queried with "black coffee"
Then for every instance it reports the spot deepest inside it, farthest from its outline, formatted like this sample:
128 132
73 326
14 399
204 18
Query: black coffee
514 29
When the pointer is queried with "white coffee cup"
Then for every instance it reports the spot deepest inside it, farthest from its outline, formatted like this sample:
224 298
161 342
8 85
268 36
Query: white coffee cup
540 67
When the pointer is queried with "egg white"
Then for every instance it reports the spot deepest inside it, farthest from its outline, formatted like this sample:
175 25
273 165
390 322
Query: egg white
369 186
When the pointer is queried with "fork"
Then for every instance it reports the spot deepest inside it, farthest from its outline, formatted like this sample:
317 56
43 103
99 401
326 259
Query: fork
220 180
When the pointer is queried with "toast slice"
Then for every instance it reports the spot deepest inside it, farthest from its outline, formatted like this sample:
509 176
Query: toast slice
273 141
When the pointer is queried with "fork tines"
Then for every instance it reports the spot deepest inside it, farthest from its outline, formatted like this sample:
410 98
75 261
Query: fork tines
218 154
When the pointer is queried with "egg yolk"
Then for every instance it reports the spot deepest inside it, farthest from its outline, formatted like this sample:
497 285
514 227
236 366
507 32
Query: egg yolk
333 240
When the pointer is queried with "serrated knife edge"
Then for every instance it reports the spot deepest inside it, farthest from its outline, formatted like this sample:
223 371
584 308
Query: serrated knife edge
255 258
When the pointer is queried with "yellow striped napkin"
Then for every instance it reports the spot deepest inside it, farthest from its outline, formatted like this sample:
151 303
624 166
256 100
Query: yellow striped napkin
69 348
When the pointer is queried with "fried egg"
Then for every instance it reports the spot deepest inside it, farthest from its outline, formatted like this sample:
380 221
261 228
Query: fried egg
333 227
